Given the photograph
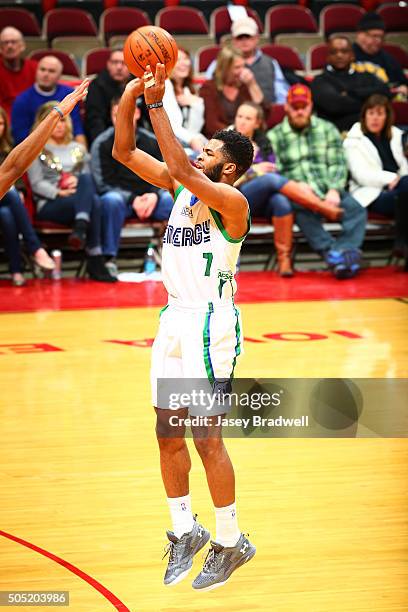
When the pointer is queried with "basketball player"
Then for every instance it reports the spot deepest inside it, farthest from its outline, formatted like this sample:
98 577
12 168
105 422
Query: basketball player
199 332
22 156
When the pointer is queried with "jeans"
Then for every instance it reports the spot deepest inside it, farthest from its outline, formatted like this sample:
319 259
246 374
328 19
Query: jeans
116 208
264 199
83 204
353 226
394 203
14 220
386 201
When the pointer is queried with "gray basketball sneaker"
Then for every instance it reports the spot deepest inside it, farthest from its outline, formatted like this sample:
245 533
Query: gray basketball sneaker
181 552
221 562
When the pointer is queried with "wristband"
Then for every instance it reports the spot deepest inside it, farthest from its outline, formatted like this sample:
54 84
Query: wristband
154 105
59 111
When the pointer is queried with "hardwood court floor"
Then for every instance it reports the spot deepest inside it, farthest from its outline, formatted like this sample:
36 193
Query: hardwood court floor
80 478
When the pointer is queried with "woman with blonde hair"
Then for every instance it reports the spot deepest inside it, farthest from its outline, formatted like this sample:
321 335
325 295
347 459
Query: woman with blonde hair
233 84
14 219
65 193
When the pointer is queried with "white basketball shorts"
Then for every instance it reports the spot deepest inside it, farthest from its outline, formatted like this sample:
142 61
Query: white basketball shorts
197 343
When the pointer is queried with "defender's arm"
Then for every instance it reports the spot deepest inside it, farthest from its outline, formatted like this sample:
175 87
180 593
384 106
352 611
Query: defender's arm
22 156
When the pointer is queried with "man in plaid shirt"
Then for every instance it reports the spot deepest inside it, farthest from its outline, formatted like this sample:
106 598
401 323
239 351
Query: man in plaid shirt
309 150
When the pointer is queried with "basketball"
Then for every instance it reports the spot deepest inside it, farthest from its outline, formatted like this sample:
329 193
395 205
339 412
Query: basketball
149 45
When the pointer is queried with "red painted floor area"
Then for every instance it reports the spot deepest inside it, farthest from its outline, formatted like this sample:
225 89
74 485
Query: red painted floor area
71 294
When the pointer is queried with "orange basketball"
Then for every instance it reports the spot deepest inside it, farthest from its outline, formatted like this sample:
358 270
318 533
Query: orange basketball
149 45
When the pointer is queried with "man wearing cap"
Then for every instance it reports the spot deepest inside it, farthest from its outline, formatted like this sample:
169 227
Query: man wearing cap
309 150
340 91
369 55
267 72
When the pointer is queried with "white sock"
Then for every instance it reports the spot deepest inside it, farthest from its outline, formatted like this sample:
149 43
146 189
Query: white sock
181 515
227 532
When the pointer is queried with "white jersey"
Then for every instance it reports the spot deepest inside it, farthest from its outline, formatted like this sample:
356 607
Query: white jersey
199 258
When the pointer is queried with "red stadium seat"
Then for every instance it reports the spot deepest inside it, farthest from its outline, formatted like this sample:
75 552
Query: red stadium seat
401 113
68 22
21 19
340 18
395 17
220 21
276 115
285 56
94 61
182 20
398 52
204 57
288 19
317 57
121 20
67 59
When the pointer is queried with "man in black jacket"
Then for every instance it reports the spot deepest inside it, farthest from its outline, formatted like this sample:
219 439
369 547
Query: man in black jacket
109 84
340 91
124 194
370 56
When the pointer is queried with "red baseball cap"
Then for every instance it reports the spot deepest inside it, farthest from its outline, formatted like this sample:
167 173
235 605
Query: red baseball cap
299 95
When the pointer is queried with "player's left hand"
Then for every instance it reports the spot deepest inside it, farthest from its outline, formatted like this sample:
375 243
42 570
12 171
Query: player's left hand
135 87
154 86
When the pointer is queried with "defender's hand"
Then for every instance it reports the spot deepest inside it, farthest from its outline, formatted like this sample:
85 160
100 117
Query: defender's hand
135 87
154 87
68 103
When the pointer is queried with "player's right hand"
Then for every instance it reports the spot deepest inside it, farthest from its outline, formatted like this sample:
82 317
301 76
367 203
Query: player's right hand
135 87
69 102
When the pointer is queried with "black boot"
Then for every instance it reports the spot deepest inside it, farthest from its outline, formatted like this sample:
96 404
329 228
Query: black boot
95 266
77 238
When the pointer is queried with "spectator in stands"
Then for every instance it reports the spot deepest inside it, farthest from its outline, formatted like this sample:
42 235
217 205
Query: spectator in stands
109 84
379 168
123 193
16 72
14 219
268 192
65 193
309 150
267 72
233 84
184 108
369 55
45 88
340 91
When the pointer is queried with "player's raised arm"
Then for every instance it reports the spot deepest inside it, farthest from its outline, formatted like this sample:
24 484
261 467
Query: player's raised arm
124 146
217 194
22 156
